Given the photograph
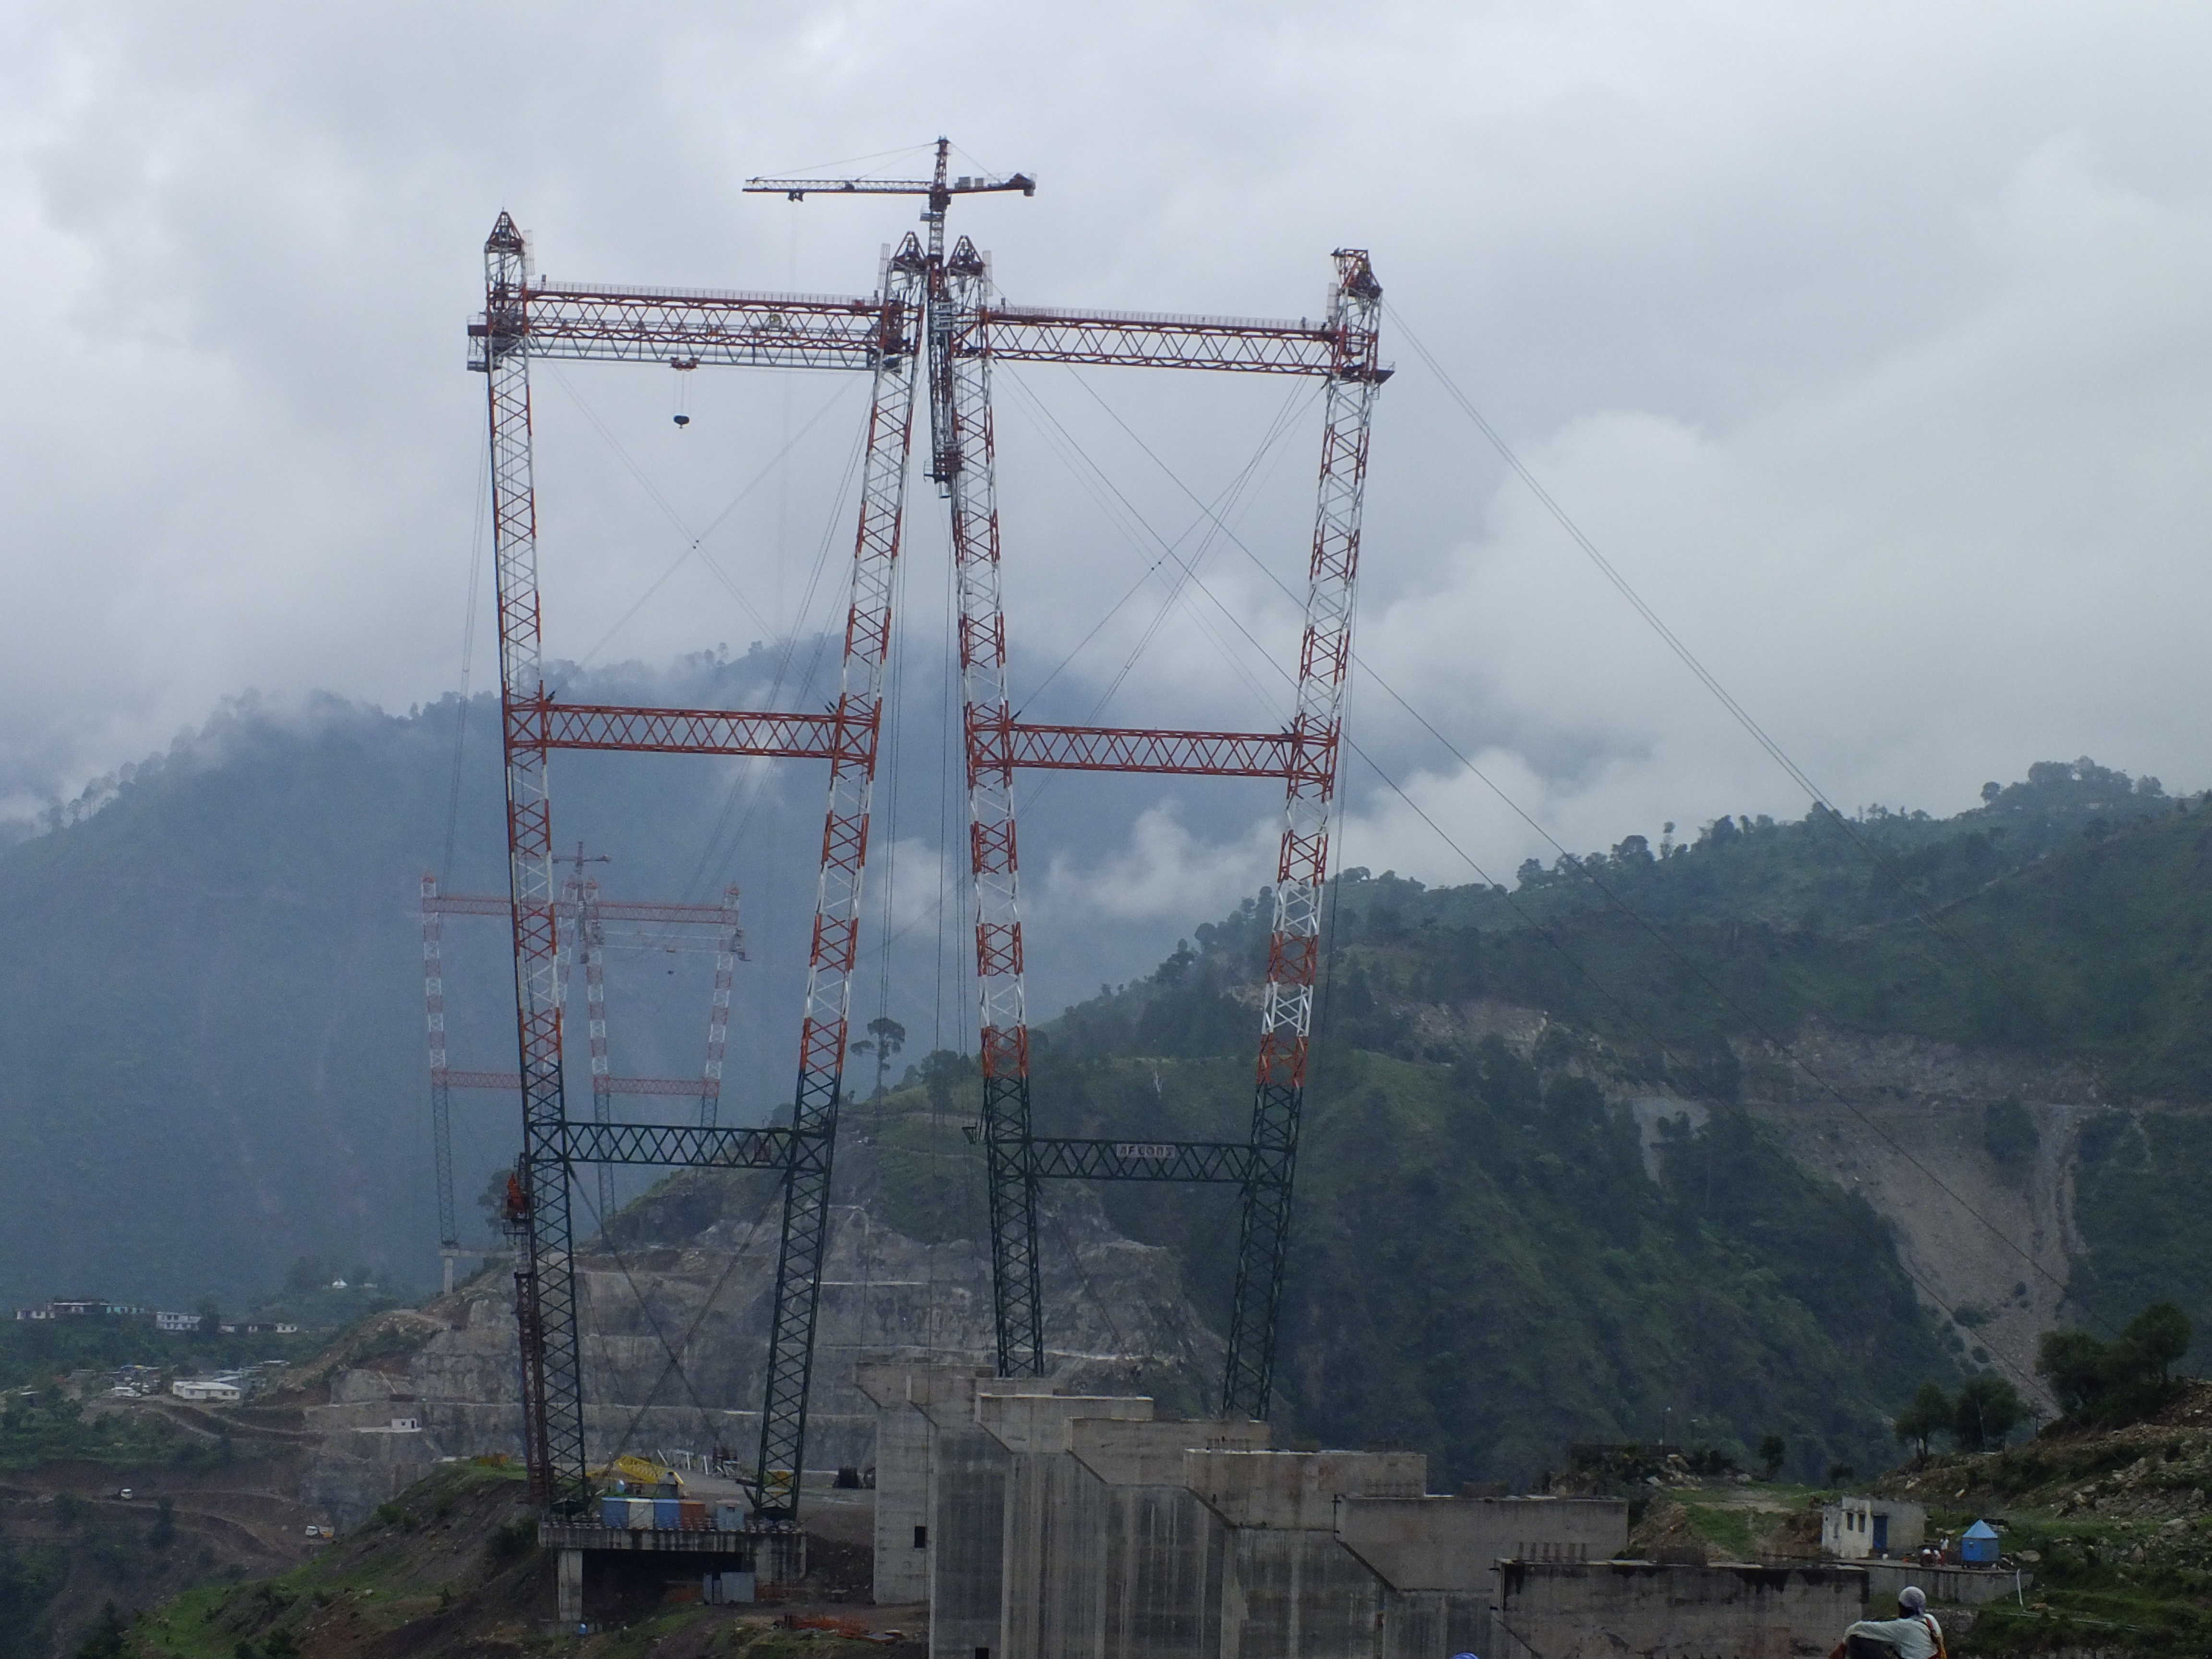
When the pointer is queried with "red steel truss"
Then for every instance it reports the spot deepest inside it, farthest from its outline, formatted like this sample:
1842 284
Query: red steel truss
524 318
1130 749
944 307
969 332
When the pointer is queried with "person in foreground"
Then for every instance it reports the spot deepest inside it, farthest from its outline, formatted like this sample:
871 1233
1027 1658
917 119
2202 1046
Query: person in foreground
1913 1634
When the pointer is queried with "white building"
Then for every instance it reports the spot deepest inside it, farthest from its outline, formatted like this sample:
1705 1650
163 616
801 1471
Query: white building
1852 1528
217 1390
177 1323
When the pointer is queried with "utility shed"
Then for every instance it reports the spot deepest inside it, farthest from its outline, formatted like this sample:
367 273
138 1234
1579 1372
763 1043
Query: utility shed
1606 1609
1853 1528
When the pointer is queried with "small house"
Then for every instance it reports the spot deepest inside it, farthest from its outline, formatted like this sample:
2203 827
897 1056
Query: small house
1853 1528
214 1390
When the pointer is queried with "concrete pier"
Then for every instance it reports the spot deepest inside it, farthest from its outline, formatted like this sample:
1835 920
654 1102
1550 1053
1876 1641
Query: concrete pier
568 1587
1070 1527
1602 1609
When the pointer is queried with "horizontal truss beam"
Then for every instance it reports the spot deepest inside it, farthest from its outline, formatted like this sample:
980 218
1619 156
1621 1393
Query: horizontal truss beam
649 325
587 323
817 736
487 904
679 1145
1225 1161
1032 334
823 735
1134 748
688 1088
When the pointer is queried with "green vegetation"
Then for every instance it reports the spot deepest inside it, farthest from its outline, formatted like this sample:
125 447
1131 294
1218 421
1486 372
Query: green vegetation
1927 1415
451 1565
2137 1187
30 1575
2009 1132
2061 919
1981 1417
53 1429
447 1532
2123 1380
1728 1528
33 1353
1987 1410
2112 1524
1485 1266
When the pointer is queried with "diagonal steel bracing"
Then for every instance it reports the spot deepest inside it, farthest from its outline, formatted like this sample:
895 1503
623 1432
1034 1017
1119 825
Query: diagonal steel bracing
525 318
939 315
968 327
975 330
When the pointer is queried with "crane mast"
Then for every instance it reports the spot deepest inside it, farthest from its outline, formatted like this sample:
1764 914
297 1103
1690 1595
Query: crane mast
966 329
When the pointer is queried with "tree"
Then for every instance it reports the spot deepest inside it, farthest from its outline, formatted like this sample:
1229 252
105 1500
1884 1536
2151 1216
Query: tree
308 1272
2155 1339
2073 1364
108 1636
1929 1413
492 1200
1771 1450
2009 1132
890 1037
1987 1410
2119 1382
942 1071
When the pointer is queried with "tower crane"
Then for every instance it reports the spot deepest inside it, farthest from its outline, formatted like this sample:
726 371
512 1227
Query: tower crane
967 327
935 310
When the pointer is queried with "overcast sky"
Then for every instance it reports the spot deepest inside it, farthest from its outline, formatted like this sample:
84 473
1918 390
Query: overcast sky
1869 342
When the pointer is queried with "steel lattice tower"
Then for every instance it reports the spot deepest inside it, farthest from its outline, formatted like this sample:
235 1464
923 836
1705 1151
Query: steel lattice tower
589 920
937 316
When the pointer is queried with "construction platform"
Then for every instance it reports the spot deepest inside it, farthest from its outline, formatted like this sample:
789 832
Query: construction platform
773 1554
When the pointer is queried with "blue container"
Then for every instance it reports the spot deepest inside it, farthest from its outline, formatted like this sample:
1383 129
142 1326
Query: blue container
667 1514
1979 1545
641 1513
614 1511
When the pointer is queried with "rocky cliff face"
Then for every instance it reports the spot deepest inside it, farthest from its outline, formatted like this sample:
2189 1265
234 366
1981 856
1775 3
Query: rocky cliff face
1984 1225
675 1334
1985 1222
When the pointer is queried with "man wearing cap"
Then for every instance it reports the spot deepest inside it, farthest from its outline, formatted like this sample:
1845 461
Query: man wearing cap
1913 1634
